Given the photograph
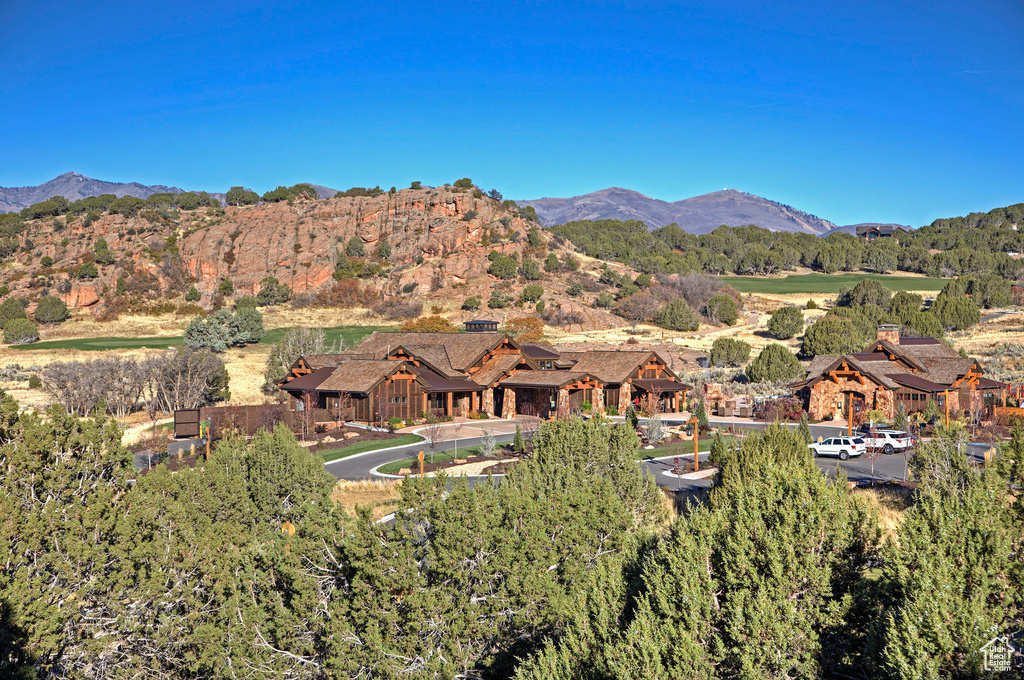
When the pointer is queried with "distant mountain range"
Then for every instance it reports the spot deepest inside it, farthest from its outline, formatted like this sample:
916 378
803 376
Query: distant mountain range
73 186
697 215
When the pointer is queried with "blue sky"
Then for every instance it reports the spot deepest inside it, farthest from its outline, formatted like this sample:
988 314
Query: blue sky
854 111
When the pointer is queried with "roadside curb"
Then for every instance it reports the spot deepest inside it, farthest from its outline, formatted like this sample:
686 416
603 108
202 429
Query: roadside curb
366 453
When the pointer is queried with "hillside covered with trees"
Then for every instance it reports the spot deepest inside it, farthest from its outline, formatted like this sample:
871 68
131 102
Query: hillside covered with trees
980 243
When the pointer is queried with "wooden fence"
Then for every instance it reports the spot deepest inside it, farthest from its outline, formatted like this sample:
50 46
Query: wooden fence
245 419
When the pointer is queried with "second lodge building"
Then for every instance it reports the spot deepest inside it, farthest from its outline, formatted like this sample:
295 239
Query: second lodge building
895 370
407 375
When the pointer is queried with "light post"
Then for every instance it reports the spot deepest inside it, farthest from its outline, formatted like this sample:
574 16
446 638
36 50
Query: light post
696 435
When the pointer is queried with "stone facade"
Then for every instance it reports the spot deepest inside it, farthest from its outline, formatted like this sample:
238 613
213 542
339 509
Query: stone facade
508 405
487 401
828 398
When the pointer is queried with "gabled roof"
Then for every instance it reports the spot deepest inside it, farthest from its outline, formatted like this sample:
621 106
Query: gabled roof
359 375
434 356
495 368
921 363
315 361
613 366
434 382
536 350
310 381
463 349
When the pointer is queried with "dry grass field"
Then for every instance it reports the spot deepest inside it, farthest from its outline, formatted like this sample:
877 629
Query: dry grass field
888 505
381 497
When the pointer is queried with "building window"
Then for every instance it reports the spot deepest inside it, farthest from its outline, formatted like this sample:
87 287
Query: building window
547 365
399 400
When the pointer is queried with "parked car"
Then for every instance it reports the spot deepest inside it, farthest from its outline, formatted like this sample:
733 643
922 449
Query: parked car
889 441
844 447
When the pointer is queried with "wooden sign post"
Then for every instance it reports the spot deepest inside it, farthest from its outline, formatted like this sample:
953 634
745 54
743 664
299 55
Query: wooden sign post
420 458
696 435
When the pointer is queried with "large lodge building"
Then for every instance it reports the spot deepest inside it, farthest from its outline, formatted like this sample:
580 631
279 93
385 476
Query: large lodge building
407 375
895 370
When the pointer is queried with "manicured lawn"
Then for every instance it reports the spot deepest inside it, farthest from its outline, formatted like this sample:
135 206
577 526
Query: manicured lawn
350 335
683 448
362 447
439 457
828 283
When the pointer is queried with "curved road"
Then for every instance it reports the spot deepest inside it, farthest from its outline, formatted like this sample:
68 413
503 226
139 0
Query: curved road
359 466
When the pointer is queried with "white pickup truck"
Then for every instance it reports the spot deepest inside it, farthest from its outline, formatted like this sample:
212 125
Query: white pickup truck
888 441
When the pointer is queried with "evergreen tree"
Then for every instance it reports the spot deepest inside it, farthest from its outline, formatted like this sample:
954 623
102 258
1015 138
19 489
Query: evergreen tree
785 323
518 443
677 316
952 582
775 363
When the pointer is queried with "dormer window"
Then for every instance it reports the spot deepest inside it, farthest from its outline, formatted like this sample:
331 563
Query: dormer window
547 365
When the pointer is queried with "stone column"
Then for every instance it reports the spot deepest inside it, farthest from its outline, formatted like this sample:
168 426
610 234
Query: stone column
625 397
508 404
487 399
562 401
463 406
598 404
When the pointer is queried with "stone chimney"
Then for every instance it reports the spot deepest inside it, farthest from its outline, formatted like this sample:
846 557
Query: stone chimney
890 332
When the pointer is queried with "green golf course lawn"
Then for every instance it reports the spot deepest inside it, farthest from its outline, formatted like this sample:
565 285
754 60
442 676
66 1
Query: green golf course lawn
350 336
828 283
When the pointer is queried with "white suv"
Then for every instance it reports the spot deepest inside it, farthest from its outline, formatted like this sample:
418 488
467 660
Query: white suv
889 441
844 447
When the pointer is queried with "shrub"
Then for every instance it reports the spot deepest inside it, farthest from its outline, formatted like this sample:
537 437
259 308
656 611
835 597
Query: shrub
46 261
532 293
11 308
530 270
503 266
192 295
785 323
574 290
811 304
781 409
728 352
830 335
51 309
499 300
226 288
87 270
471 303
409 287
867 292
551 263
395 308
540 306
469 215
272 292
245 303
35 382
677 316
954 310
604 300
384 248
639 308
354 247
721 308
525 329
20 332
464 183
429 324
775 363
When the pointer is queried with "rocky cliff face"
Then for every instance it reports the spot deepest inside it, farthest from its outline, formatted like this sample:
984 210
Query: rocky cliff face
438 238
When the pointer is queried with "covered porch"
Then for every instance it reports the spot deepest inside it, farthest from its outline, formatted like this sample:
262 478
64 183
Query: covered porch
667 396
549 393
